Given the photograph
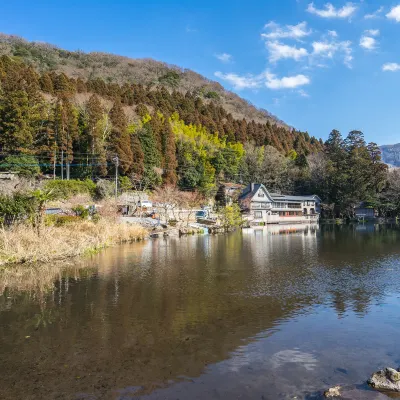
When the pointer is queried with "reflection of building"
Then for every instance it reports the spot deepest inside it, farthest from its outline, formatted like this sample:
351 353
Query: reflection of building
261 207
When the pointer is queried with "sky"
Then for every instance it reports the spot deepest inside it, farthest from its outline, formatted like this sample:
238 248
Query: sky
316 65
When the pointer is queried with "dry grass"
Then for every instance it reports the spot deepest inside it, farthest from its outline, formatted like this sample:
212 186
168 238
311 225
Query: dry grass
21 244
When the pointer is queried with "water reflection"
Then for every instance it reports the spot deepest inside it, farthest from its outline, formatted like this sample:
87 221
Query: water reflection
138 318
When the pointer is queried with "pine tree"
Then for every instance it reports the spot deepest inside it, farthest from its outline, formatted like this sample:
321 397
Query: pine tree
169 153
120 143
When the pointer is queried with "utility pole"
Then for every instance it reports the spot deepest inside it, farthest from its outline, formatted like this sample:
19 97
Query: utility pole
116 162
62 165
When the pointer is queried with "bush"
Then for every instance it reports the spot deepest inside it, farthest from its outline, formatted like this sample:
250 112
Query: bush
66 189
60 220
212 95
16 208
104 189
81 212
25 165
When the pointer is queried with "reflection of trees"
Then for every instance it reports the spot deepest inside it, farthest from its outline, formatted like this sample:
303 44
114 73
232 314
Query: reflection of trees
160 310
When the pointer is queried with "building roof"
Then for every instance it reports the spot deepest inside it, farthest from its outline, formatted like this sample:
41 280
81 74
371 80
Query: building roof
251 190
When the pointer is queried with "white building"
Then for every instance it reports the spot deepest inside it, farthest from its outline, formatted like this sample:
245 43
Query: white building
261 207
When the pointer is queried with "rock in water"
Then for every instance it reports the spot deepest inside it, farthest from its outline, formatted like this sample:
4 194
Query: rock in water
332 392
386 379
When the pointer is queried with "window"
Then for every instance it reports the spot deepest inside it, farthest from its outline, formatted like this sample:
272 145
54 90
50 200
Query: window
261 194
258 214
294 205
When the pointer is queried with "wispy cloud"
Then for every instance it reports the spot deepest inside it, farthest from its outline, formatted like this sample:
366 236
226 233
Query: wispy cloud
278 51
224 57
368 40
392 67
287 82
297 32
240 82
333 34
330 48
330 11
375 14
303 93
394 13
267 79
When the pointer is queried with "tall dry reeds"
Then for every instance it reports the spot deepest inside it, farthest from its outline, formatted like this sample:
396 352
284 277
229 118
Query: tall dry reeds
22 244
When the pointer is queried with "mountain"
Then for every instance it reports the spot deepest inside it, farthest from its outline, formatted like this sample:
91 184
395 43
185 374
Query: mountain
117 69
391 154
79 115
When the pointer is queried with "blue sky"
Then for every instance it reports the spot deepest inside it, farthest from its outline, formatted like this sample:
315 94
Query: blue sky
318 66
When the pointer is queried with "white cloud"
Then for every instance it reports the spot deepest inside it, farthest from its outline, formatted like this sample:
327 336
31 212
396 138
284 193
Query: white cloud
278 51
297 32
394 13
368 43
287 82
372 32
375 14
329 49
368 40
329 11
303 93
271 81
392 67
241 82
224 57
333 34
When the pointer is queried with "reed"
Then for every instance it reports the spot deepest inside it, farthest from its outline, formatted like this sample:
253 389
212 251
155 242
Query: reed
22 244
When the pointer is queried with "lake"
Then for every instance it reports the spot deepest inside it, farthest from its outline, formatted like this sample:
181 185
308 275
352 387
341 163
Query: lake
281 312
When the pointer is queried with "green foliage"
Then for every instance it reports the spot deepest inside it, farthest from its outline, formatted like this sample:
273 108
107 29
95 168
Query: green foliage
60 220
25 165
124 183
212 95
231 216
16 208
104 189
68 188
171 78
81 211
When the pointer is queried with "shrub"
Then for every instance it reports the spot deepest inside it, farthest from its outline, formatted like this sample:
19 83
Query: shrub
104 189
81 211
60 220
16 208
68 188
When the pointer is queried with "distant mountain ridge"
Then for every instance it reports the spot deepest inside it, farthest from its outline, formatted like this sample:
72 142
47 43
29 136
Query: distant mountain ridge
119 69
391 154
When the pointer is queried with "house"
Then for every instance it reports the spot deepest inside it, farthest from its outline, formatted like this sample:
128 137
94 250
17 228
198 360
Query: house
228 193
365 211
262 207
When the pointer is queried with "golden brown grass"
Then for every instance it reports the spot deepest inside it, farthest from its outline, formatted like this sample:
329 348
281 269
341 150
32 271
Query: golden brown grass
22 244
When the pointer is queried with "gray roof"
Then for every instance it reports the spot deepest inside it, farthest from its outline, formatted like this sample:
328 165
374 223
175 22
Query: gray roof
248 193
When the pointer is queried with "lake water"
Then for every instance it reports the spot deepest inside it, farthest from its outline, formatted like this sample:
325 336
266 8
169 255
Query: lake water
274 313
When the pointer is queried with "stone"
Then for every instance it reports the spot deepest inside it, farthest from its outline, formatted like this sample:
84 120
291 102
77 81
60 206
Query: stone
386 379
332 392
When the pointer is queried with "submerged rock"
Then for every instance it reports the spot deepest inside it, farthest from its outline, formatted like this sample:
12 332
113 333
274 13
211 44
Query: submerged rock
332 392
386 379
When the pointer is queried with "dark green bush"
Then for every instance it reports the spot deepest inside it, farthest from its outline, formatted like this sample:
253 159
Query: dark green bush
60 220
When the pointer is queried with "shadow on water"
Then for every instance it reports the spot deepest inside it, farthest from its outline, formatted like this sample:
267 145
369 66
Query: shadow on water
267 313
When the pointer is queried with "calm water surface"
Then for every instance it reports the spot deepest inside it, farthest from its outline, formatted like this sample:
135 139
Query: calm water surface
274 313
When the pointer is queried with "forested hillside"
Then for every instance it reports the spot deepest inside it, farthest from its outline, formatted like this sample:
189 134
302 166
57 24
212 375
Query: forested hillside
76 126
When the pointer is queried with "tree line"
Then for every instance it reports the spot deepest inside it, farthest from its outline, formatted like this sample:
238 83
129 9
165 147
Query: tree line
162 136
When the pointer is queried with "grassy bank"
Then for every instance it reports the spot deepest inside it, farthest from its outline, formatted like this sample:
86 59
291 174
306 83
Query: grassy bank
22 244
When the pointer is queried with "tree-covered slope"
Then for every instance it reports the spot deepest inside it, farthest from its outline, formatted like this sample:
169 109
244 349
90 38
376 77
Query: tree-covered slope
117 69
77 126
